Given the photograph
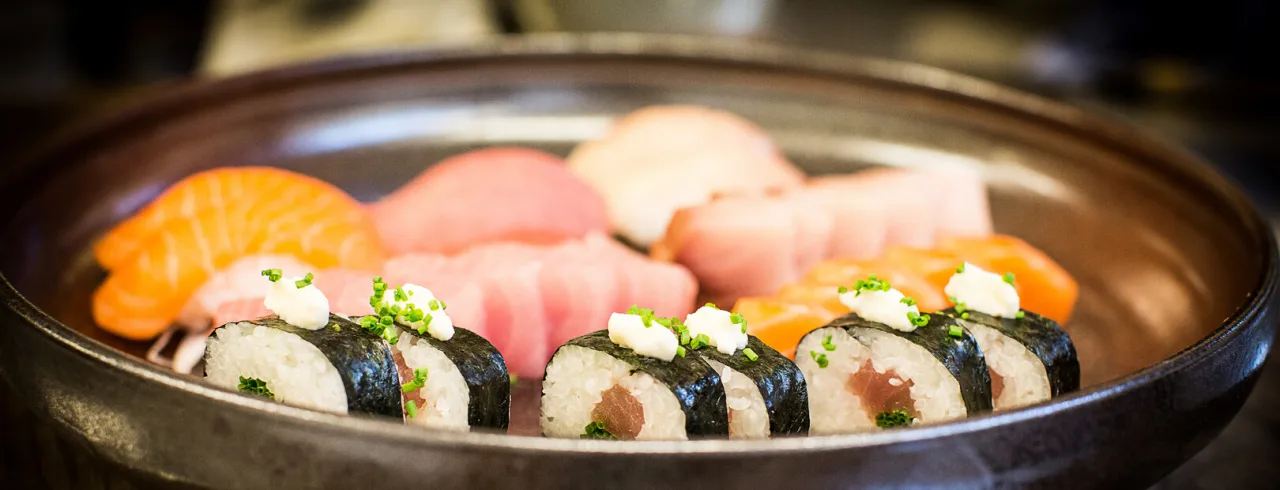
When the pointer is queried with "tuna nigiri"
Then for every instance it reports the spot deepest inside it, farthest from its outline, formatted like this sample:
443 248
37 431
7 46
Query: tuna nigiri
157 261
497 194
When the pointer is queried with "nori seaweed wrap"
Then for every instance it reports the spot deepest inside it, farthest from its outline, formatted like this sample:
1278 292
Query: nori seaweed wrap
340 367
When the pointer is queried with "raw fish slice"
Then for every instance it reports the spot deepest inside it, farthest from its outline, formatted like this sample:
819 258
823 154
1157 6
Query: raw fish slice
142 296
859 226
668 289
192 195
516 320
963 209
498 194
742 246
580 289
909 208
660 159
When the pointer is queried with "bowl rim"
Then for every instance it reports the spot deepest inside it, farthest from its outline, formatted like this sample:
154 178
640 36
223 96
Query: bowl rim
693 49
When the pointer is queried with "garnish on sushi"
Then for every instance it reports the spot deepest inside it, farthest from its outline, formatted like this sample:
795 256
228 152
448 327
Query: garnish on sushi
629 381
887 357
1030 357
304 355
766 393
451 377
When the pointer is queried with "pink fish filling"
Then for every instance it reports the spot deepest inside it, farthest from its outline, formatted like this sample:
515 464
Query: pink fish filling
621 413
879 393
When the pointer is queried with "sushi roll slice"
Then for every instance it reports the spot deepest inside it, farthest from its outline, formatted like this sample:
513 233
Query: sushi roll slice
451 378
631 382
339 368
1031 358
888 365
765 392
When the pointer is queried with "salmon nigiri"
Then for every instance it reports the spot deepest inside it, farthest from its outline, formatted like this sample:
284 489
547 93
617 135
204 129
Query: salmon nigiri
161 256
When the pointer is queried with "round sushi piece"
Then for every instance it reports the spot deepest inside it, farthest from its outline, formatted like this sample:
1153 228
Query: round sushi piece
458 384
765 392
596 388
863 374
1031 358
339 367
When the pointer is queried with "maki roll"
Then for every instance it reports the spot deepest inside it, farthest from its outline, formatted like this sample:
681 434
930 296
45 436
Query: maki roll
1031 358
765 392
888 365
632 381
451 378
305 356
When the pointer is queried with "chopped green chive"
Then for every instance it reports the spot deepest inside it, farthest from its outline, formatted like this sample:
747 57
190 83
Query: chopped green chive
826 344
711 305
255 386
960 270
433 305
842 290
907 301
680 351
955 331
821 359
964 316
645 314
272 275
1020 314
893 418
952 299
918 319
751 355
871 283
960 307
596 430
426 322
411 408
513 379
399 294
700 341
419 380
443 306
684 337
1008 277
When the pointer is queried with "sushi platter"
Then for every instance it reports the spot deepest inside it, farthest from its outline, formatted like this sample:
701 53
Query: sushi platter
568 261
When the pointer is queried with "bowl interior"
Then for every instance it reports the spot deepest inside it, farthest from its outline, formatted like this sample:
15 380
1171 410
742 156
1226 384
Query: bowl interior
1164 252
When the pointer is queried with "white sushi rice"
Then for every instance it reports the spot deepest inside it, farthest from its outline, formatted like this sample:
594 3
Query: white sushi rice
573 384
295 371
447 398
834 410
748 416
1025 380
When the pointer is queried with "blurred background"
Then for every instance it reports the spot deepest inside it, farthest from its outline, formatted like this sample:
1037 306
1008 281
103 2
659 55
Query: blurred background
1199 73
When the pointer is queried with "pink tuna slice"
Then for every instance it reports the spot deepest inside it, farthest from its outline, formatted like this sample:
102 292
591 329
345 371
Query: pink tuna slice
496 194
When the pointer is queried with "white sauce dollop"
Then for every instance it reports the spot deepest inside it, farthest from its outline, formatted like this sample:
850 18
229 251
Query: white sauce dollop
718 326
304 307
882 306
654 341
983 291
440 326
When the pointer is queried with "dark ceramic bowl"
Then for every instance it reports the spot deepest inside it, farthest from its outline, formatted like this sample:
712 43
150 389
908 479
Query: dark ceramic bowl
1177 270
